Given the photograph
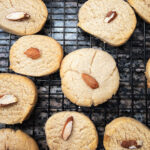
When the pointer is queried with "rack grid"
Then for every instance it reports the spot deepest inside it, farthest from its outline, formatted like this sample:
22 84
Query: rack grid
132 98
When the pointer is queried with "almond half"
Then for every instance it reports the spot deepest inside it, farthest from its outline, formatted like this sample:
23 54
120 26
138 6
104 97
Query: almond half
90 81
6 100
110 16
132 144
17 16
67 129
33 53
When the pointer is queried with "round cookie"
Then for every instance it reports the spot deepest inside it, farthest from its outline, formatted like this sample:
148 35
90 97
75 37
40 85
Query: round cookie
83 135
35 55
22 17
147 73
16 140
18 96
126 133
112 21
89 77
142 7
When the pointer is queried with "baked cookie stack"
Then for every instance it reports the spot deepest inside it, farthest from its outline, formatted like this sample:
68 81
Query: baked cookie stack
89 76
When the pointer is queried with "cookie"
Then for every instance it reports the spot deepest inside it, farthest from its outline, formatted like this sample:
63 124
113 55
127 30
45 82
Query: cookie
18 96
72 131
22 17
16 140
147 73
142 7
35 55
89 77
112 21
126 133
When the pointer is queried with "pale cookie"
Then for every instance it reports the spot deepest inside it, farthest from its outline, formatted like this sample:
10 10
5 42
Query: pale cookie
147 73
18 96
22 17
142 7
89 77
35 55
113 21
71 131
125 133
16 140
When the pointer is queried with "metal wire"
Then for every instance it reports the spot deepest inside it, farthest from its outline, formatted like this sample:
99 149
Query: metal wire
133 97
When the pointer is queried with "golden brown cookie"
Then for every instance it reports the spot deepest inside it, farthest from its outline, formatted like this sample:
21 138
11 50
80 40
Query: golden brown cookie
35 55
126 133
72 131
22 17
16 140
112 21
142 7
18 96
89 77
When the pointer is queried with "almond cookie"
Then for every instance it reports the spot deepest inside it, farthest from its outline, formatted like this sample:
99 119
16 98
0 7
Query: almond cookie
71 131
22 17
89 77
125 133
147 73
16 140
113 21
35 55
18 95
142 7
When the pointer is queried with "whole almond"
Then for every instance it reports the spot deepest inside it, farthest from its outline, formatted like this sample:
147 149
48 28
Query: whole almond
33 53
17 16
132 144
67 129
110 16
90 81
6 100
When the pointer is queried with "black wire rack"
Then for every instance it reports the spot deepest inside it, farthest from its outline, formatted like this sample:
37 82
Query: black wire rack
133 97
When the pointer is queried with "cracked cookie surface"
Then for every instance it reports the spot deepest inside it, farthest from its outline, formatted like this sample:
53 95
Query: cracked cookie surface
36 9
50 55
115 29
142 7
25 92
16 140
125 129
83 137
96 63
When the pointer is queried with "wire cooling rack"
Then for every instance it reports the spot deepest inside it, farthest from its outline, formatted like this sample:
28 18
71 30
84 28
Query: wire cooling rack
133 97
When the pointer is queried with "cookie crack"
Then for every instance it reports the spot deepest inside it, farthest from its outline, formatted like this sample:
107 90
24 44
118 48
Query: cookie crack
92 60
78 71
6 146
111 74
